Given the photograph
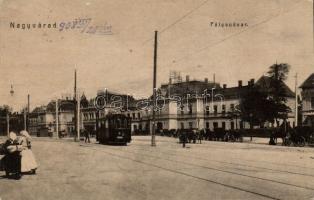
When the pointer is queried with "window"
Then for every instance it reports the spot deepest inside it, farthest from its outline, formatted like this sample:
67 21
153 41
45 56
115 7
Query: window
232 125
223 109
215 125
139 115
232 107
190 109
182 109
215 109
133 115
312 102
135 127
223 125
207 110
241 125
190 125
207 125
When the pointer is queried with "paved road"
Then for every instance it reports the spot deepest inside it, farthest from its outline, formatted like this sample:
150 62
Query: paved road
212 170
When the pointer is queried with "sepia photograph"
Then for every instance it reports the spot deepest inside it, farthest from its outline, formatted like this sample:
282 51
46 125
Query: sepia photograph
156 99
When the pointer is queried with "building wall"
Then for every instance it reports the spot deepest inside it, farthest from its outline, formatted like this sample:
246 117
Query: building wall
201 115
307 107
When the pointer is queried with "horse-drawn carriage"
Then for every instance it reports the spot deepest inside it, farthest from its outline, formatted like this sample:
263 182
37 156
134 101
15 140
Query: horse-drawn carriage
298 136
220 134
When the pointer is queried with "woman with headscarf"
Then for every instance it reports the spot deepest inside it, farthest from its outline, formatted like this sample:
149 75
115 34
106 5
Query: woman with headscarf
12 159
28 163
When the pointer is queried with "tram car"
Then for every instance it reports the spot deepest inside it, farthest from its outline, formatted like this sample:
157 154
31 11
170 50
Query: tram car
114 129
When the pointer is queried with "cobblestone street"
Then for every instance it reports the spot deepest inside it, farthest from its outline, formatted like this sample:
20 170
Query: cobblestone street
212 170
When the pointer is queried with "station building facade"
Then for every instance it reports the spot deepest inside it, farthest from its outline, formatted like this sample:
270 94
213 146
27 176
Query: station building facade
202 105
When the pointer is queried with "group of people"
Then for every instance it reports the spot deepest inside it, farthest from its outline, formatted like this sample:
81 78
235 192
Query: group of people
18 157
190 136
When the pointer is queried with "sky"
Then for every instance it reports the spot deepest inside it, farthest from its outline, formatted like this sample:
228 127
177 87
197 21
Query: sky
41 62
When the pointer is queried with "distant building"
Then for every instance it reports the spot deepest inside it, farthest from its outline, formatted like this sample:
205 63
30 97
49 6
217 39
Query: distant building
107 102
42 120
307 94
193 111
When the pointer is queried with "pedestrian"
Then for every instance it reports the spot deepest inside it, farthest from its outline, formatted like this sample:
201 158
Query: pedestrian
194 135
200 135
12 159
183 138
86 136
28 162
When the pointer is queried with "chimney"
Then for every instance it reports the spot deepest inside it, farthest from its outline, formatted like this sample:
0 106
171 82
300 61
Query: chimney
206 80
187 78
224 86
240 83
252 81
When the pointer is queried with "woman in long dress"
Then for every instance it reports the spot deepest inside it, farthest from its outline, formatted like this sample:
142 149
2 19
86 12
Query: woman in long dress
12 160
28 162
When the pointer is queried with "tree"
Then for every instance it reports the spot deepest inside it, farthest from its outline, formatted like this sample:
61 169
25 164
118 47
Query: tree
255 107
277 74
4 110
266 101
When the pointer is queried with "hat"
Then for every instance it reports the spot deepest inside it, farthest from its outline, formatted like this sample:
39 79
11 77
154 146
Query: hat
25 134
12 136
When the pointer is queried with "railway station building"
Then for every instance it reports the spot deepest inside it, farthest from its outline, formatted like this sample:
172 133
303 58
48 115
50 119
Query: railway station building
199 105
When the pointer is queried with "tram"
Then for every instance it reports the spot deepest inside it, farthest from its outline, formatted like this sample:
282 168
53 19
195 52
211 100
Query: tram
114 129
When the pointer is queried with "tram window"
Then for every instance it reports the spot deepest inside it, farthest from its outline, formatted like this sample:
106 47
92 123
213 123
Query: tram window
118 123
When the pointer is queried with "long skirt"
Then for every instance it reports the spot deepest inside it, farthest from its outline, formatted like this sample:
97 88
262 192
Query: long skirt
28 162
11 163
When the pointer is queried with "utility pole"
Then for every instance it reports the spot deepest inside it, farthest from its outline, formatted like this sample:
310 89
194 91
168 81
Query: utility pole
78 117
75 106
8 123
57 118
8 113
296 99
25 118
153 142
28 109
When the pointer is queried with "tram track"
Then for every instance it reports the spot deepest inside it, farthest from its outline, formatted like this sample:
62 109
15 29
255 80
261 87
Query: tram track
199 166
268 162
232 163
215 169
193 176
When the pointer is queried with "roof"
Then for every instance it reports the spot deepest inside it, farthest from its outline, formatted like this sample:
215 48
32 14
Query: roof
308 83
189 87
232 92
39 109
64 105
264 82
